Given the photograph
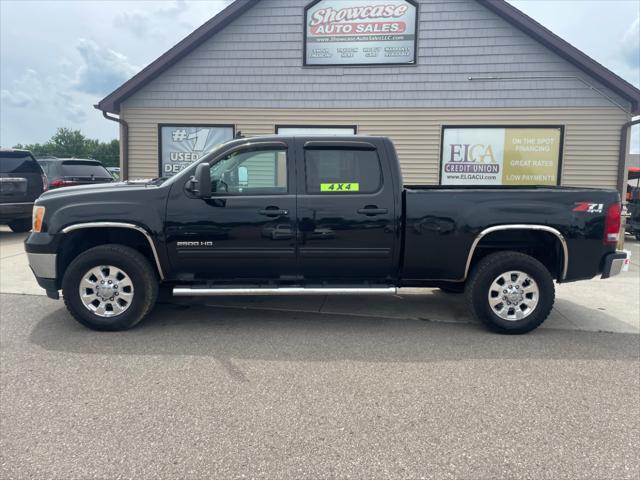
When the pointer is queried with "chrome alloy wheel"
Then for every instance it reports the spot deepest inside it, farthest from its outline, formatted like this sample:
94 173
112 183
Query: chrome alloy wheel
513 295
106 291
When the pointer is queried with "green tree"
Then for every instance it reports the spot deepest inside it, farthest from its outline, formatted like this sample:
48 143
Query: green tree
67 143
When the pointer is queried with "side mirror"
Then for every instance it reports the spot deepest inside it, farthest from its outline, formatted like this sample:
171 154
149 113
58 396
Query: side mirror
201 181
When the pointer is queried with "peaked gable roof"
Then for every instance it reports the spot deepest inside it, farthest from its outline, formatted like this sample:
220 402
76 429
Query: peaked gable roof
111 103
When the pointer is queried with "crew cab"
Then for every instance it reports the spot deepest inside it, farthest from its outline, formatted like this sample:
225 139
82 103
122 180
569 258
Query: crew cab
317 215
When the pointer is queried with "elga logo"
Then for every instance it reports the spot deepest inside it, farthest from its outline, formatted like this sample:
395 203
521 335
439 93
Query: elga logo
195 244
467 158
588 207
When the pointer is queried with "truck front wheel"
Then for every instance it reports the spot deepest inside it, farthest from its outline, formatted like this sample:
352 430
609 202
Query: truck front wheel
510 292
110 287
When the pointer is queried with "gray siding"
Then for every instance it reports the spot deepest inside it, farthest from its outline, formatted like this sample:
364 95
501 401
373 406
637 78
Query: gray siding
256 62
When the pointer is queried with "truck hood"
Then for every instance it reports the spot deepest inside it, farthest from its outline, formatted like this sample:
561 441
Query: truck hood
80 190
127 202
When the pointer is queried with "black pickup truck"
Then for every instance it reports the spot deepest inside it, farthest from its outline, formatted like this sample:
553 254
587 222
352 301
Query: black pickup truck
317 215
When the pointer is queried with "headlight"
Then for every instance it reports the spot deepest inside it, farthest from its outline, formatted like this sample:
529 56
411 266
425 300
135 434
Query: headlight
38 217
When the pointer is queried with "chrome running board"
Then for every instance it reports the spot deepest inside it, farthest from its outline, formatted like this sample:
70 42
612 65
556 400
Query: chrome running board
212 292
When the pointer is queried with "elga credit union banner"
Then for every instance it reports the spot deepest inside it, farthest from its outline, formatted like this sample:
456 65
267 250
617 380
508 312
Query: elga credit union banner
180 146
500 156
350 32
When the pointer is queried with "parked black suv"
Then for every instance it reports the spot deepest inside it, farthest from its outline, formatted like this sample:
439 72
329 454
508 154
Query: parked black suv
21 182
67 172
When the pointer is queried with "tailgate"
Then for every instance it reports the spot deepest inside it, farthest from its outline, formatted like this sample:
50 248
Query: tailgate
12 189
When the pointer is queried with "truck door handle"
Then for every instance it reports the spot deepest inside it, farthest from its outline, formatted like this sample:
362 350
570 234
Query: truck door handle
273 212
372 210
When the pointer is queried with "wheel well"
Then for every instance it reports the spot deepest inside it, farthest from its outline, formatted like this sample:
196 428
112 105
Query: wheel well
79 241
541 245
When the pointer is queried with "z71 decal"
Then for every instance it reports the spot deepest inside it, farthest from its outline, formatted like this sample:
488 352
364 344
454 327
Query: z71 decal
588 207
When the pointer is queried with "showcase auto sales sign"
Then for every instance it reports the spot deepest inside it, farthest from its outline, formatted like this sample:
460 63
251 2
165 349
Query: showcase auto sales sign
360 32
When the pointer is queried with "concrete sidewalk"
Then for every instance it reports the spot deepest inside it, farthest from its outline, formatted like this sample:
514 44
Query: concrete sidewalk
611 305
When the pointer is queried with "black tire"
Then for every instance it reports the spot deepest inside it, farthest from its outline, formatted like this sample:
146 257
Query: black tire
492 266
136 266
20 226
452 288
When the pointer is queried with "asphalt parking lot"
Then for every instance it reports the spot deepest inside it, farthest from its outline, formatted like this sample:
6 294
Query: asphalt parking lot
405 386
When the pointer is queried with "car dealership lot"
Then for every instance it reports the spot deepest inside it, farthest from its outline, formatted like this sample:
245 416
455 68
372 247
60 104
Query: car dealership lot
320 387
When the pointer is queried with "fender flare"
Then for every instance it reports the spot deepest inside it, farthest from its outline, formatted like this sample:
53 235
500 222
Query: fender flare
130 226
541 228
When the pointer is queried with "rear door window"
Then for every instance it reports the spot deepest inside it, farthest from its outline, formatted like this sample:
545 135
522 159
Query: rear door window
342 171
79 168
18 163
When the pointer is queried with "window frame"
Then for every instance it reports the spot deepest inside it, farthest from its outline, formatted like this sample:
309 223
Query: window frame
316 127
347 145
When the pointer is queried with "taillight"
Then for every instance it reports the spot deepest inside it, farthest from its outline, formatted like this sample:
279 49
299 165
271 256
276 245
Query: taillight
45 183
612 225
58 182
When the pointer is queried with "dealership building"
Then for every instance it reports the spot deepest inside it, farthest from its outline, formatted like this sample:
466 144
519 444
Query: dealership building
470 91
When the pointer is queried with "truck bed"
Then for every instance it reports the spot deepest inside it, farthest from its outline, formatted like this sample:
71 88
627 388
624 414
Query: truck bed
442 223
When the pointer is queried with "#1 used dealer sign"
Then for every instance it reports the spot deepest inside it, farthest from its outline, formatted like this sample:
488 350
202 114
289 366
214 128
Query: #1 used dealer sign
363 32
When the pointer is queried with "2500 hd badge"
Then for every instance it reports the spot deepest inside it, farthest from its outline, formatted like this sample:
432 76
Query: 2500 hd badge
194 244
283 222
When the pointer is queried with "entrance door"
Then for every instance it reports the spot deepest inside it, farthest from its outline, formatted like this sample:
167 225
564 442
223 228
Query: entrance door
346 213
247 229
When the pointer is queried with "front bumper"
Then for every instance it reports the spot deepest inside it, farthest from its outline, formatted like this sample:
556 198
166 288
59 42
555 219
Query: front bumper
43 265
614 263
41 251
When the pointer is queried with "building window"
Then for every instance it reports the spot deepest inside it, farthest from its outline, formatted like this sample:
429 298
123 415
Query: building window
316 130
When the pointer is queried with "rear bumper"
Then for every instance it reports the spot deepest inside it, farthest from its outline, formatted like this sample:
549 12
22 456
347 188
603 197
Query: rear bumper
614 264
15 211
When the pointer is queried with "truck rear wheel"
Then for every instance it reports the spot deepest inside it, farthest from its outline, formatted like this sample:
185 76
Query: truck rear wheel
110 287
510 292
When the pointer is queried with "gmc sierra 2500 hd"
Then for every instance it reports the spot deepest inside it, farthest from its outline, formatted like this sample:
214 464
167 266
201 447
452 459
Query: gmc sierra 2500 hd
317 215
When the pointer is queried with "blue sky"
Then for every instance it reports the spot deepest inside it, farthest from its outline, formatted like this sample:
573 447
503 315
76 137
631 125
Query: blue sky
59 57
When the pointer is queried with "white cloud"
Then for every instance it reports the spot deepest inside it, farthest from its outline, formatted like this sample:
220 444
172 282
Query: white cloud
73 111
16 99
630 49
43 93
141 23
102 69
